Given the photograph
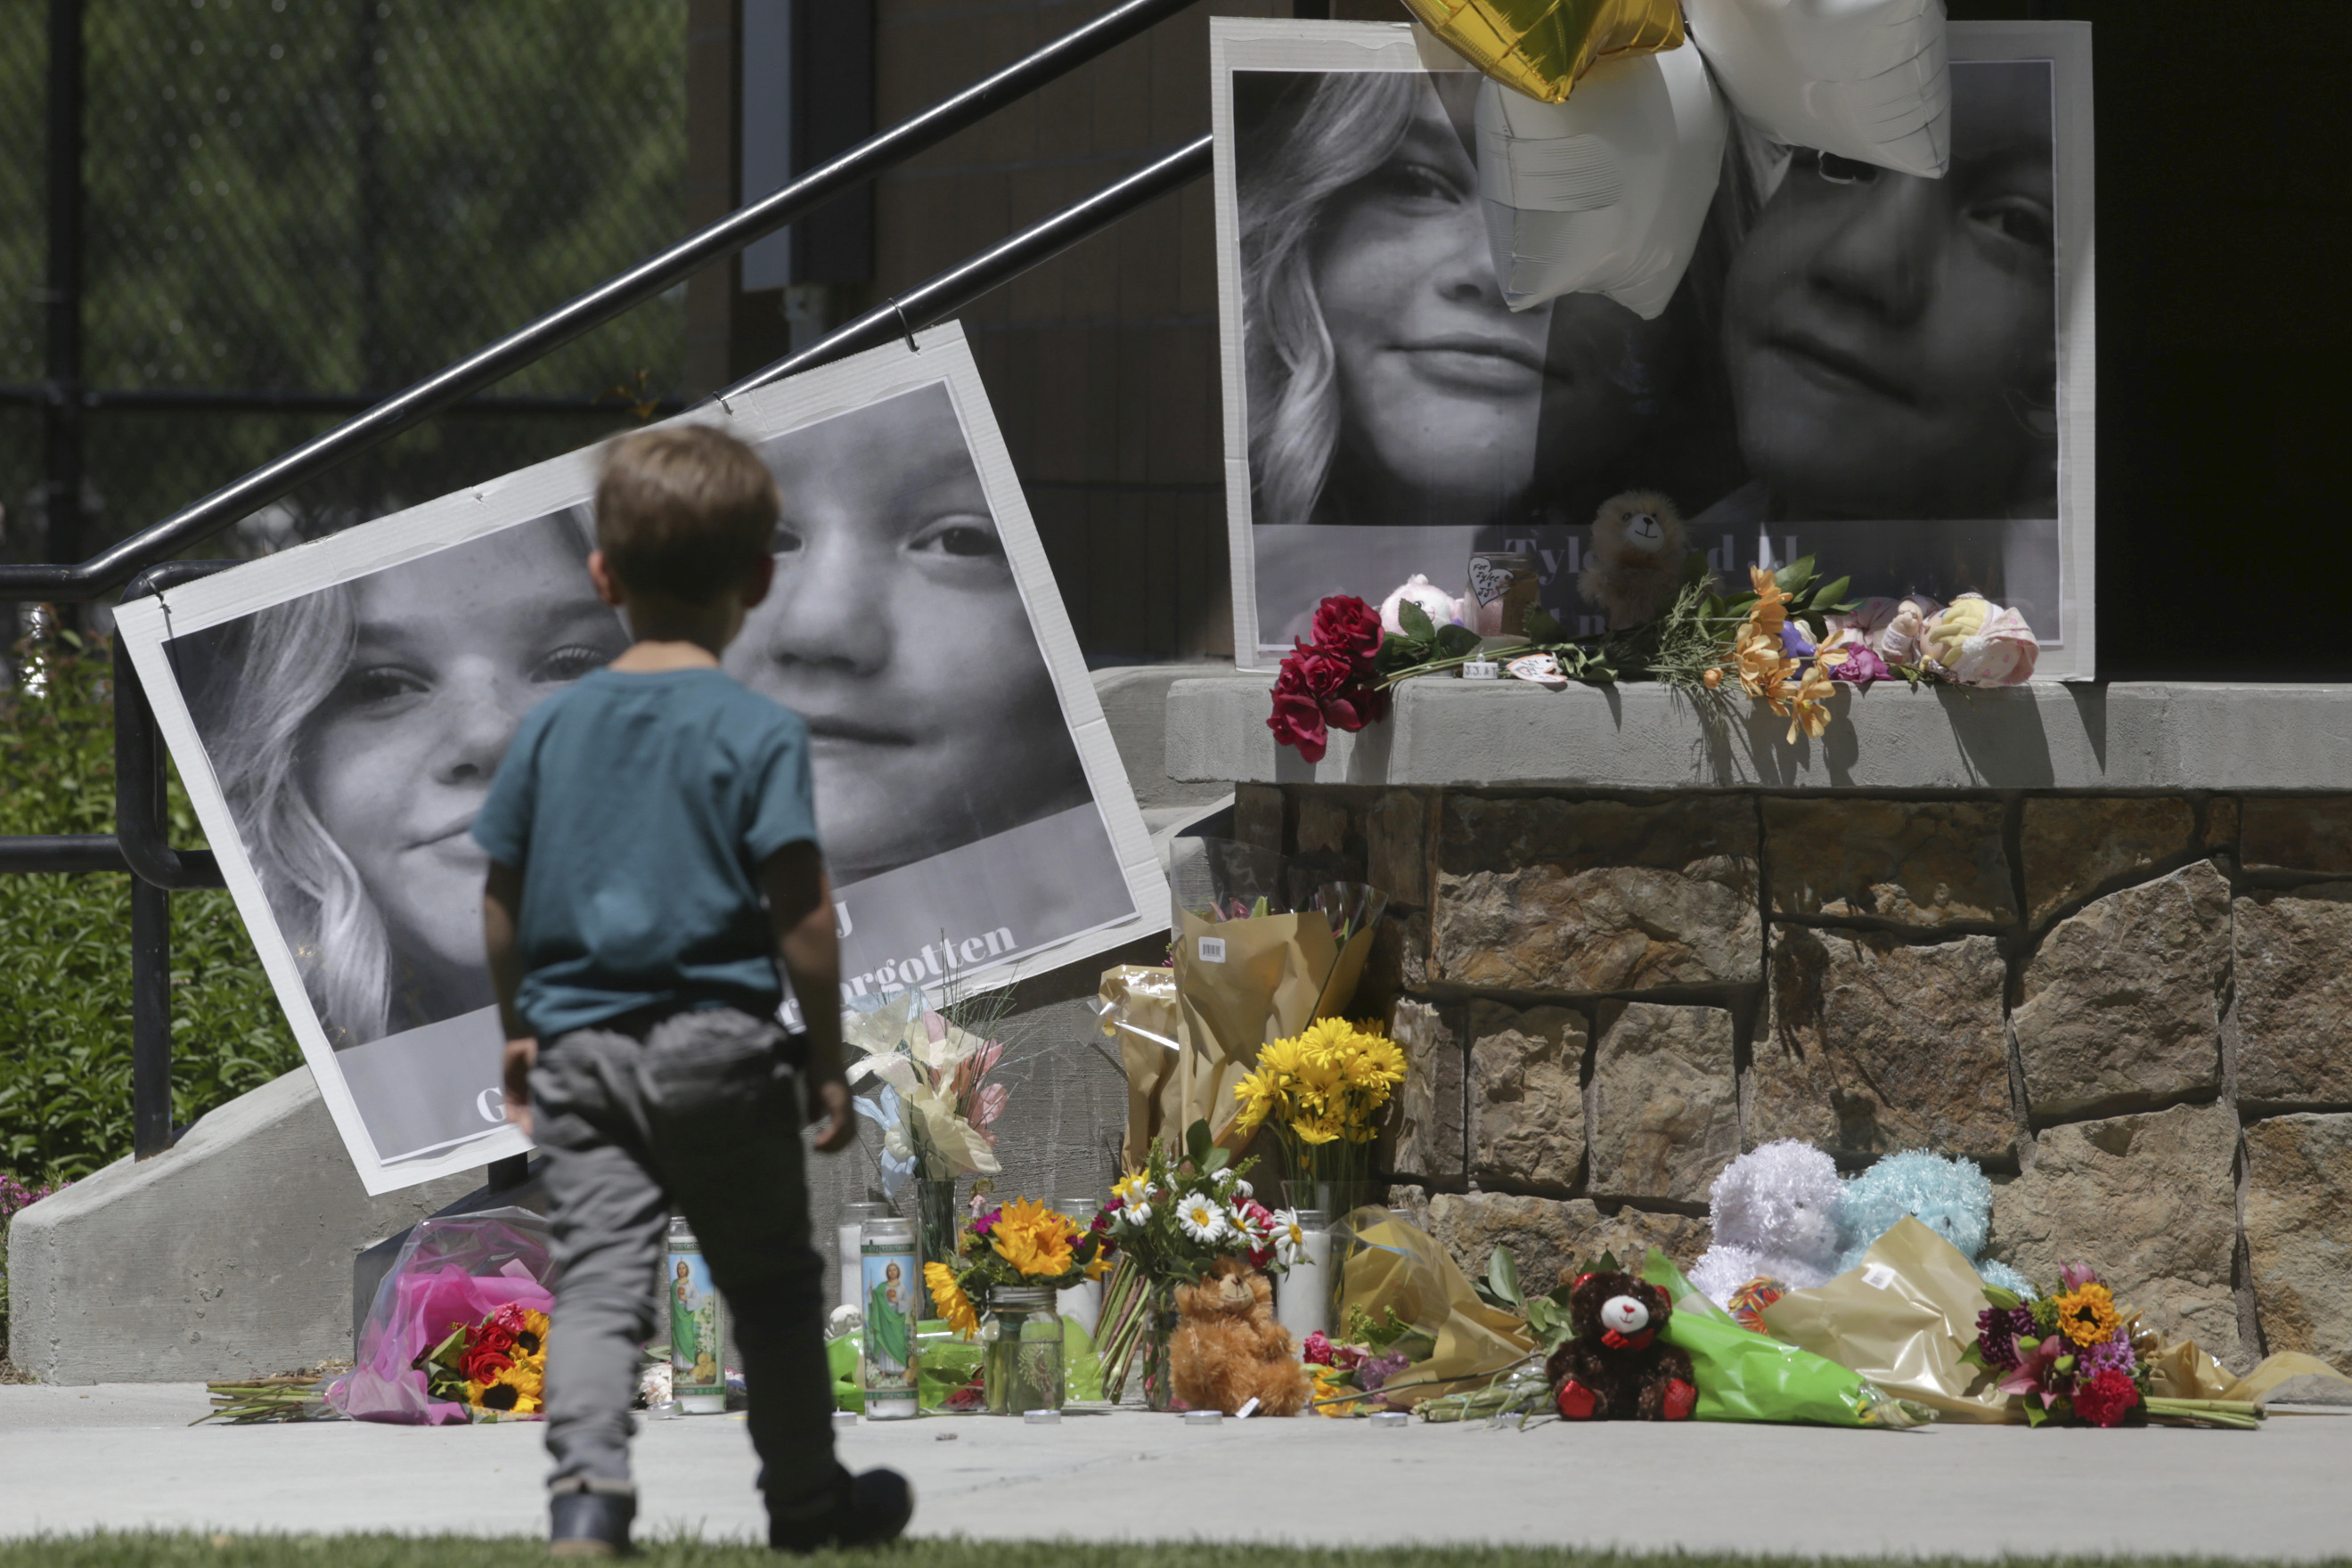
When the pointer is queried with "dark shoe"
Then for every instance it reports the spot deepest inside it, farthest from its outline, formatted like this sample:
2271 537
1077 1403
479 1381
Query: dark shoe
867 1510
589 1524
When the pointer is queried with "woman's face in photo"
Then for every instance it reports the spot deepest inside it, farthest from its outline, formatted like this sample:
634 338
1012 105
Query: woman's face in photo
452 650
1453 402
895 629
1892 341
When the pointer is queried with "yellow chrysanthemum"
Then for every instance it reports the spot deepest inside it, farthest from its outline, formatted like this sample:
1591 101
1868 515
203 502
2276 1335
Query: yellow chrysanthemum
1318 1130
1033 1239
949 1298
1378 1064
2087 1315
1809 705
1129 1188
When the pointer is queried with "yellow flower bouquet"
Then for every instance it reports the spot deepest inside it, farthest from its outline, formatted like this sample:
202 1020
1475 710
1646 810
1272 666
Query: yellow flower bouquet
1325 1092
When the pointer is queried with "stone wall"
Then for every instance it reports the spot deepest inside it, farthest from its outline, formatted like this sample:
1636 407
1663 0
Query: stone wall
2131 1009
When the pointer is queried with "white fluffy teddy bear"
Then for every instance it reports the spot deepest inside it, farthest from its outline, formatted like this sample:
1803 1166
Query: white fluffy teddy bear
1776 1212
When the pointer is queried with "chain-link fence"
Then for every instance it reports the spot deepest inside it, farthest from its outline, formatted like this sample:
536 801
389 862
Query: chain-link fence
290 204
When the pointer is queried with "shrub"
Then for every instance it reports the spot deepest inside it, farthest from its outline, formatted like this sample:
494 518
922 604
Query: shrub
65 943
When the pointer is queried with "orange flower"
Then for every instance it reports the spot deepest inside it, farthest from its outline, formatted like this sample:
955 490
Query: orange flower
1771 611
1808 705
1762 667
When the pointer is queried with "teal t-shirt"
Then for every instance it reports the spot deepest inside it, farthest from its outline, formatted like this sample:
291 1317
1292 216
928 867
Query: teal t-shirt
639 808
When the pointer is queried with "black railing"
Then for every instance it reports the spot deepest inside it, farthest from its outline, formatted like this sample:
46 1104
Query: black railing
140 843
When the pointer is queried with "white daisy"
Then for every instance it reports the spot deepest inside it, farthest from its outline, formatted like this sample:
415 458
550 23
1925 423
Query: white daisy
1244 1192
1202 1219
1226 1176
1135 1216
1289 1237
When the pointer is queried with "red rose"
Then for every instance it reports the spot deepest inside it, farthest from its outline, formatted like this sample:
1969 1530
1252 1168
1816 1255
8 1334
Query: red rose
1297 722
1355 706
1321 672
1345 624
493 1337
481 1365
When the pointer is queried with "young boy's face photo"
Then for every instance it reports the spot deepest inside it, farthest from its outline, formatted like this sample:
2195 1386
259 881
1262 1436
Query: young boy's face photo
896 629
1891 341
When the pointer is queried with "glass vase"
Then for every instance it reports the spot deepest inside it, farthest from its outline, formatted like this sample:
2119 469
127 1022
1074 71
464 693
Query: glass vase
1021 1352
935 1222
1158 1333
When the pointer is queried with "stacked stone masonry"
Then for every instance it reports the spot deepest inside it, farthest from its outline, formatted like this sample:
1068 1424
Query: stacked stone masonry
2134 1011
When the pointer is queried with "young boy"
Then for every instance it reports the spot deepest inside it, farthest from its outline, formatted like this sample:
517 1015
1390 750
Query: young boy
654 857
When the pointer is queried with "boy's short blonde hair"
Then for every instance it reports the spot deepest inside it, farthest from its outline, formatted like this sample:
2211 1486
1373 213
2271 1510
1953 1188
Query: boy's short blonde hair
686 511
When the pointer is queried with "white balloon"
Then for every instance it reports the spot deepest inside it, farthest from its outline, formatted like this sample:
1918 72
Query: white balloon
1606 192
1866 80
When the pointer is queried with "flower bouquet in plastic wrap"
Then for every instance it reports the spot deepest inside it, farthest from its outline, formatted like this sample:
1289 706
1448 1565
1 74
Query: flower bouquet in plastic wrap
1261 950
1914 1318
1740 1375
458 1330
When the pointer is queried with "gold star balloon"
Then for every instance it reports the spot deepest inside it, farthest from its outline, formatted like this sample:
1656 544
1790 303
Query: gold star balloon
1543 47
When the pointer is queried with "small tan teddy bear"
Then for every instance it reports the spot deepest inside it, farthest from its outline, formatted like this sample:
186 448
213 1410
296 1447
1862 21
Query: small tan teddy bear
1637 558
1228 1350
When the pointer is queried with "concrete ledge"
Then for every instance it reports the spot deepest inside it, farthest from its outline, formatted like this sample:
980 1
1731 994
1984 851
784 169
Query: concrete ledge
1450 731
230 1256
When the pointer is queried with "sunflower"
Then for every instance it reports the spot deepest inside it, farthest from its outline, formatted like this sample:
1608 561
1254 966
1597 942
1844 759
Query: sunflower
520 1388
2087 1315
1033 1239
947 1296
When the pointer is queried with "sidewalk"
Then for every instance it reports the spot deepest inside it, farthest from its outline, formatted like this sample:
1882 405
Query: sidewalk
122 1456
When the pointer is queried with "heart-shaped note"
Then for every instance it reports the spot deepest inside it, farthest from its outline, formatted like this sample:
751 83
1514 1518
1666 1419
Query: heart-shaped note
1543 47
1489 582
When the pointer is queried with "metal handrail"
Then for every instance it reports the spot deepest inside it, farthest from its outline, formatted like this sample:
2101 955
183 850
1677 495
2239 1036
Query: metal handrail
950 291
141 844
192 525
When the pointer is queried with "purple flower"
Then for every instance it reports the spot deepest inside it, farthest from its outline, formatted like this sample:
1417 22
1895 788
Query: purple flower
2110 1356
1377 1370
1794 642
1860 668
1998 1329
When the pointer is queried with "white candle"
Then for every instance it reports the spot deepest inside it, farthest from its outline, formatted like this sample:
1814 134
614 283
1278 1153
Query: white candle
850 1246
1303 1300
1081 1303
853 1294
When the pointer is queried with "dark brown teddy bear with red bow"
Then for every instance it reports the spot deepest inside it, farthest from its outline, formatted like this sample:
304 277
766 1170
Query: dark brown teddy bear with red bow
1617 1368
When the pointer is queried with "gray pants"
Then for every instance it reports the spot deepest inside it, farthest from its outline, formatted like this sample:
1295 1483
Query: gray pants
699 1114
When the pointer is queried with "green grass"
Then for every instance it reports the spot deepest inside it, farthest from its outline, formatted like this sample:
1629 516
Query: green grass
144 1551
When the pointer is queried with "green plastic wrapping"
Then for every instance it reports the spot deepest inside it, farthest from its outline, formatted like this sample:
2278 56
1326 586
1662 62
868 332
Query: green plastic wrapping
949 1364
1743 1375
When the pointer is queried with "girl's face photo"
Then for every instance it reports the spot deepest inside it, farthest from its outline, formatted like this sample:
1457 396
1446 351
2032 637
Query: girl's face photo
897 630
1454 407
448 656
1892 341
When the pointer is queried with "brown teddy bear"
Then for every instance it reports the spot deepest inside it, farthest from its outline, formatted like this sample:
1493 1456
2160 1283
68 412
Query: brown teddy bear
1228 1350
1636 560
1616 1368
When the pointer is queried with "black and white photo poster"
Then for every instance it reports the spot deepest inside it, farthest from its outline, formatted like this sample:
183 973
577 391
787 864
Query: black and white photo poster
1888 372
337 710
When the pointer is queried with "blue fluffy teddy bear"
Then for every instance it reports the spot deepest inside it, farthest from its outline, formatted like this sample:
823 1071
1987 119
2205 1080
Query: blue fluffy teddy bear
1951 1197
